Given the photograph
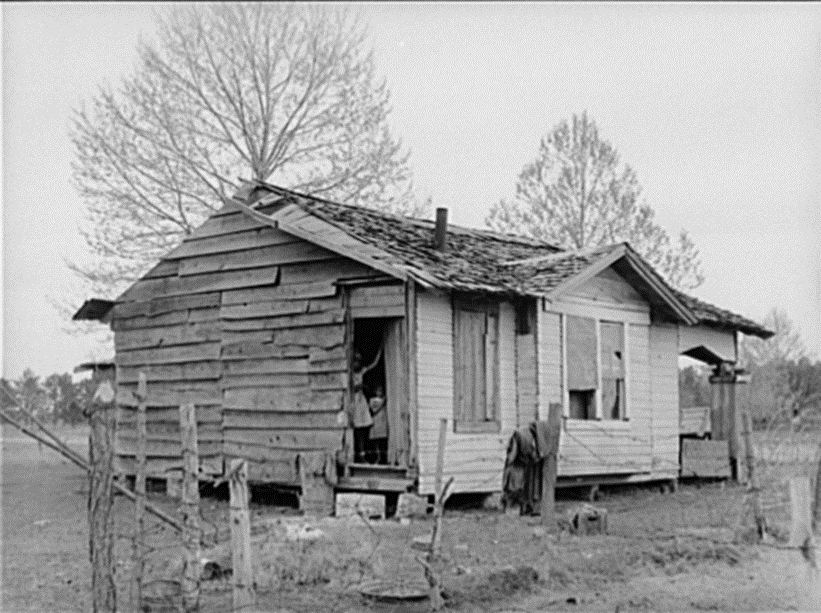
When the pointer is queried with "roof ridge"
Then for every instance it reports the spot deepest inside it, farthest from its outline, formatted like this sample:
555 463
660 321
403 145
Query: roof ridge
555 257
455 228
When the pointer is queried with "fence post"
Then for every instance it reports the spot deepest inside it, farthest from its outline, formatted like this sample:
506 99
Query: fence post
139 491
439 506
190 509
549 467
241 562
800 512
102 422
752 485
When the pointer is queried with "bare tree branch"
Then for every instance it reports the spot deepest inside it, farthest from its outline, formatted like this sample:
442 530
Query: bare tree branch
578 194
281 92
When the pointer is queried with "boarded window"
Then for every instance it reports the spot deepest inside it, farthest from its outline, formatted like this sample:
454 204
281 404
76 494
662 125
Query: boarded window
581 353
476 366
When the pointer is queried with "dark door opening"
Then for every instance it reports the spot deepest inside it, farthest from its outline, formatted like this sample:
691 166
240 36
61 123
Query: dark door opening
378 390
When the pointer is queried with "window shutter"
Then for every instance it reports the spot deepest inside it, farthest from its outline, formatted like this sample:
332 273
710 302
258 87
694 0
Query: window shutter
581 353
492 367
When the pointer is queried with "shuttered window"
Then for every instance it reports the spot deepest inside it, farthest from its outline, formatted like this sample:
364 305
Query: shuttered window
476 366
596 362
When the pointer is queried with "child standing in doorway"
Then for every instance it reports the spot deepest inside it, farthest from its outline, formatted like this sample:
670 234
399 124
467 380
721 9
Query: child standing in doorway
362 420
379 429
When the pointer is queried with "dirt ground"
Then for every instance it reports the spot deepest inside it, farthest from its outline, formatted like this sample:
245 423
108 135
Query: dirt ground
664 552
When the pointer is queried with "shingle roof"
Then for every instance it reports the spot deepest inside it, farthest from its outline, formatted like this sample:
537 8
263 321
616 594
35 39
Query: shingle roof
482 260
712 315
474 259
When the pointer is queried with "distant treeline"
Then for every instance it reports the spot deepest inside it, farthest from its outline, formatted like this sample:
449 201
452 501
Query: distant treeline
55 399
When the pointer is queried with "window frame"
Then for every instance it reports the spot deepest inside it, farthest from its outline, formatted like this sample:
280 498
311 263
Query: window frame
491 310
598 408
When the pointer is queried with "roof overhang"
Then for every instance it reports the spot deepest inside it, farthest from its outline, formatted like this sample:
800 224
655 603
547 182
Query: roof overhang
94 309
639 274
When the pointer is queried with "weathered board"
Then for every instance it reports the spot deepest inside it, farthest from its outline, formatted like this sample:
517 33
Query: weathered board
705 458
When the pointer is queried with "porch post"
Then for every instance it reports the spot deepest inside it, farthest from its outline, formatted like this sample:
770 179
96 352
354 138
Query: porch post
726 407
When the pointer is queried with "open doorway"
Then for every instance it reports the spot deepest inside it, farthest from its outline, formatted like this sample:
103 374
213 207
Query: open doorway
378 390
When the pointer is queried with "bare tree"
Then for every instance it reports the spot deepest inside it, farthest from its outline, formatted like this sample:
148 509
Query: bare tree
277 92
784 381
578 194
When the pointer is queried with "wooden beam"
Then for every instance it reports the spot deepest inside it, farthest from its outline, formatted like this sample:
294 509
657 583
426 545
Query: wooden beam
190 509
242 577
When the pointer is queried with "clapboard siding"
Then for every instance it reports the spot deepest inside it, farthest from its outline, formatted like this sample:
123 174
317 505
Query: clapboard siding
665 398
246 322
549 335
474 460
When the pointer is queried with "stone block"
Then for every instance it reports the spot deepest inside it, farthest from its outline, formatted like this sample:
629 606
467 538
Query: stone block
370 506
412 505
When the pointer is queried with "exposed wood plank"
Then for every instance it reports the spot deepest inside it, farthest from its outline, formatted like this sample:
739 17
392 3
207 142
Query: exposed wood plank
205 414
299 440
249 350
268 420
301 291
268 399
166 448
326 337
274 308
286 253
171 394
172 318
187 334
289 380
330 270
200 284
239 241
160 467
378 311
165 268
299 320
203 352
170 430
194 371
159 305
247 336
220 225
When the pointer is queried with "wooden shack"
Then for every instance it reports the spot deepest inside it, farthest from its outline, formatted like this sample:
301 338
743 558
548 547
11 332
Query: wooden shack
259 316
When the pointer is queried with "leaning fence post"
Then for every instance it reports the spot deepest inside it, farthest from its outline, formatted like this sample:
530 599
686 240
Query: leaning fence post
439 503
190 509
139 491
752 485
102 422
241 562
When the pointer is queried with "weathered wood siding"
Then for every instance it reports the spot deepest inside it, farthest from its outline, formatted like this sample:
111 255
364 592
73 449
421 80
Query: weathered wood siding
244 321
475 461
665 394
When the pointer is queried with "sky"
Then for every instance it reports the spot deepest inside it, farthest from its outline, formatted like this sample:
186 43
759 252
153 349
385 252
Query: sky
716 107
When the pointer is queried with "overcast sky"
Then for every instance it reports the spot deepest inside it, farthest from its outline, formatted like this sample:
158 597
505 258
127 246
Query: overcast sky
717 107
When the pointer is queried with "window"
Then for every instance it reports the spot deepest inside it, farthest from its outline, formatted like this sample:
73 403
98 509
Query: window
612 369
596 368
476 366
582 367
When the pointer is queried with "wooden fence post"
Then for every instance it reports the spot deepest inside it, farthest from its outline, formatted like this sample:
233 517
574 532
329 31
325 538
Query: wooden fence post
102 422
190 509
241 562
139 491
439 503
800 511
550 466
752 485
